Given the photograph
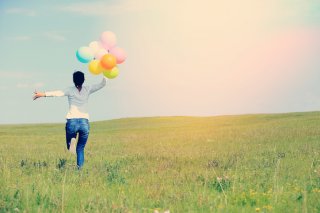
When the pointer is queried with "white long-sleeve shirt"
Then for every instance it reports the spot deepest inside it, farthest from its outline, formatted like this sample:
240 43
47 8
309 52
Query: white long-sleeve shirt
78 101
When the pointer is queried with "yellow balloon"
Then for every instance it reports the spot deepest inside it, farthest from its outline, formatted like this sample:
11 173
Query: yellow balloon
114 72
95 67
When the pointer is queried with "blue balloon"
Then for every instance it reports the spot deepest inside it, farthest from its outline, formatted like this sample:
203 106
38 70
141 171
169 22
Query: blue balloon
82 60
84 54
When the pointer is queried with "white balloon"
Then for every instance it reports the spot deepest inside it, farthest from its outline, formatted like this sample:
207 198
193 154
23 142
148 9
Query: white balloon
95 46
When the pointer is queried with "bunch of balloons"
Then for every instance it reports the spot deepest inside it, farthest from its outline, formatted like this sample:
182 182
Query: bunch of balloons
102 56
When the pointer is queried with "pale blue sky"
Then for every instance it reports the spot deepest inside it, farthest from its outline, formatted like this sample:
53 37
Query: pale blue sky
190 57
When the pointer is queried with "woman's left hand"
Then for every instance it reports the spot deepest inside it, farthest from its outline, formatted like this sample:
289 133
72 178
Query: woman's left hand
38 95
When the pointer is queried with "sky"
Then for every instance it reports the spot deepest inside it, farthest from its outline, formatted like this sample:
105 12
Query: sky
184 58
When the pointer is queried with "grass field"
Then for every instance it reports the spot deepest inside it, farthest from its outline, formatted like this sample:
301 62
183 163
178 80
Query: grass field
247 163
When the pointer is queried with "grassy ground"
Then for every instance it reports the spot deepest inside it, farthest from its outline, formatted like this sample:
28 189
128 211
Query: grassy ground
248 163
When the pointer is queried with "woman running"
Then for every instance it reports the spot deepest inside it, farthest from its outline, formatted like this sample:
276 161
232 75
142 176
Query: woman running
77 117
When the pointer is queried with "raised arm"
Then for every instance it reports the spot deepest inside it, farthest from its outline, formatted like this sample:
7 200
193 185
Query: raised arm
96 87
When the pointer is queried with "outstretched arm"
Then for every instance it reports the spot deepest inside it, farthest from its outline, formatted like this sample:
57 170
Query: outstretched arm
57 93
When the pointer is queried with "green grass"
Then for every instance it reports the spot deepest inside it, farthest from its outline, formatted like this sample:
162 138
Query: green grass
247 163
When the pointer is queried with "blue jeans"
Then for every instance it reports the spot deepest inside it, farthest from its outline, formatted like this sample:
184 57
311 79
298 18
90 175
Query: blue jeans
78 126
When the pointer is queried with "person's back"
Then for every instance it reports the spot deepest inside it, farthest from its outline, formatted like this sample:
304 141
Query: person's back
77 116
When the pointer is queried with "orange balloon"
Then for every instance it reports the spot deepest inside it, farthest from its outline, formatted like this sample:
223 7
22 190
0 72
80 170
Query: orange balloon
108 61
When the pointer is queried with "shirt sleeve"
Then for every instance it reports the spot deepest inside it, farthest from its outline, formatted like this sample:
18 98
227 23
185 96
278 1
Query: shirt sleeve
96 87
57 93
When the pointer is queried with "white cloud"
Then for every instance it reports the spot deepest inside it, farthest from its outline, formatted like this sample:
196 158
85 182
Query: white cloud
101 8
20 38
12 74
21 11
54 36
28 85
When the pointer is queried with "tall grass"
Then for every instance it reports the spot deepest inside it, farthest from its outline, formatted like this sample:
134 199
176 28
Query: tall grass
247 163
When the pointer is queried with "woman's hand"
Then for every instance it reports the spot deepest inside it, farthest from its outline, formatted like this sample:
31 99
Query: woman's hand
38 95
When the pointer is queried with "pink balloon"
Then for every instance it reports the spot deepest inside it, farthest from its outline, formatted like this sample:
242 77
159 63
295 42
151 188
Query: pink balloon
108 40
119 53
100 53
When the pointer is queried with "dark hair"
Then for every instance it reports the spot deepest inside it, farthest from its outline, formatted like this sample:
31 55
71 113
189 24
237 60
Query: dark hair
78 78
